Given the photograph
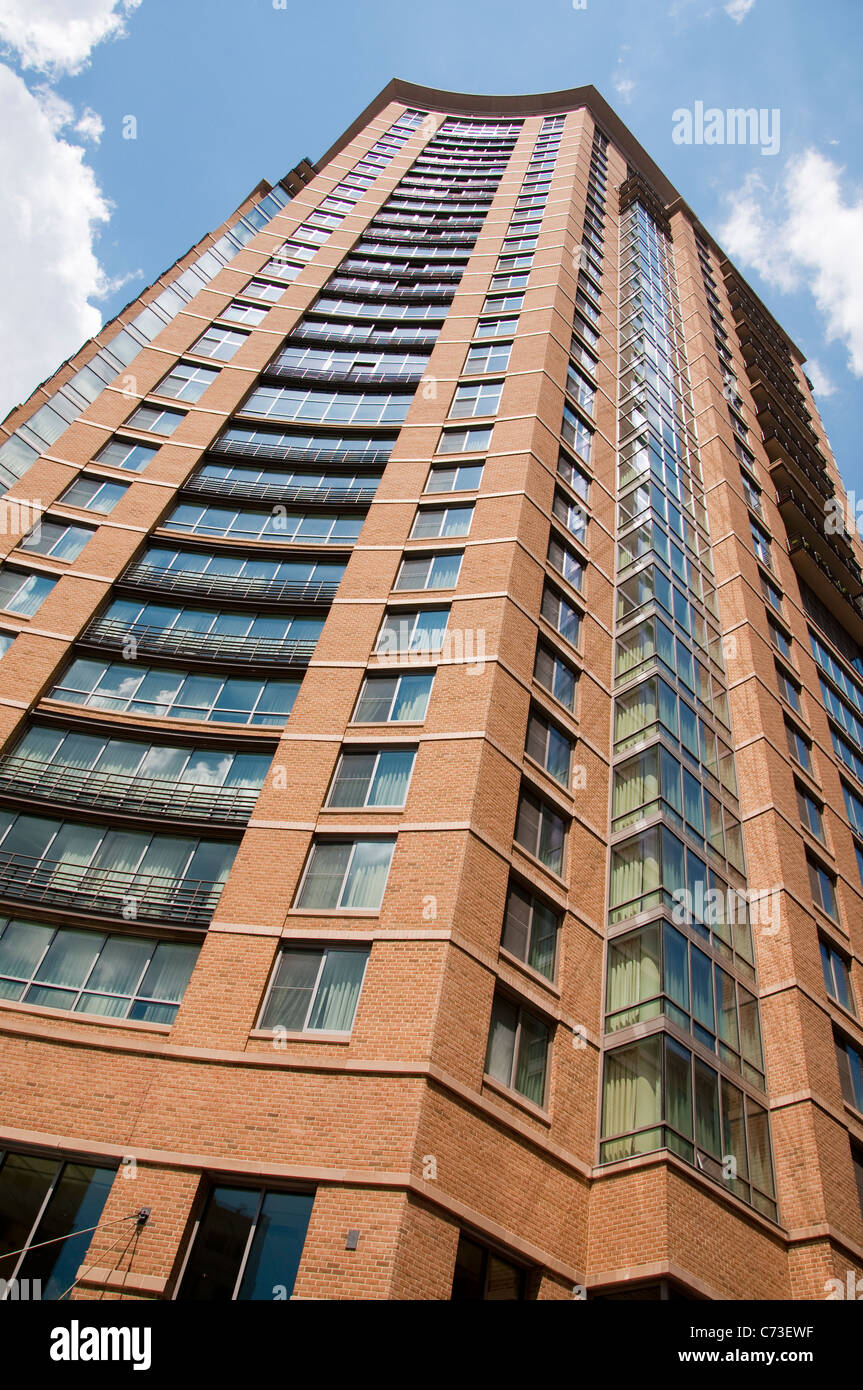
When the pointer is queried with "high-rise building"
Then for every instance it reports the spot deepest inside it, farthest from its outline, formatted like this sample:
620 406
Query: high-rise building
431 790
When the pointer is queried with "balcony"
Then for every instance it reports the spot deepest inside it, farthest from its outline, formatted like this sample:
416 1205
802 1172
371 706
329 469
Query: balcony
280 492
386 290
288 453
802 521
195 584
370 376
314 332
185 902
62 785
185 644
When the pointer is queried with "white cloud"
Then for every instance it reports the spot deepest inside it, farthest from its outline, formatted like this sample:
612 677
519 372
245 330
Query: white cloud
738 9
59 37
624 86
48 266
90 125
821 383
806 231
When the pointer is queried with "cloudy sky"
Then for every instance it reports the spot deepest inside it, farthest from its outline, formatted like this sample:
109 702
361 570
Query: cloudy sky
225 92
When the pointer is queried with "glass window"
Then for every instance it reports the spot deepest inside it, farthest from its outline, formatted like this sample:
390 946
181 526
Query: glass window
62 540
419 630
222 343
429 571
176 694
810 812
518 1045
560 613
823 889
433 523
496 328
798 746
555 675
251 314
92 973
346 874
186 382
122 453
315 990
374 778
476 398
466 441
463 478
94 494
385 699
481 1274
837 976
788 689
22 592
562 558
247 1245
48 1209
487 357
576 433
549 746
571 515
540 830
850 1063
530 930
154 419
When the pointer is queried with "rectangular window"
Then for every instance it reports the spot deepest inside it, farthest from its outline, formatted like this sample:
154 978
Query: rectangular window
580 388
575 433
93 973
465 478
549 746
788 689
393 699
555 675
771 593
243 313
186 382
466 441
780 639
496 328
562 558
837 976
518 1044
540 830
48 1208
504 303
62 540
850 1062
94 494
576 477
315 991
412 630
823 888
176 694
558 611
798 746
247 1244
530 928
22 592
570 514
429 571
377 777
761 544
476 398
438 523
752 493
481 1274
487 357
810 812
154 419
345 874
122 453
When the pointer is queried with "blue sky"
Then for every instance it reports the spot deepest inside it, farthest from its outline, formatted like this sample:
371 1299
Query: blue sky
231 91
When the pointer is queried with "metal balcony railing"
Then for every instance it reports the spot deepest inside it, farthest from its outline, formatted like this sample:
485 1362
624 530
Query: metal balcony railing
364 376
286 453
281 492
193 582
330 333
147 796
379 289
188 902
184 642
